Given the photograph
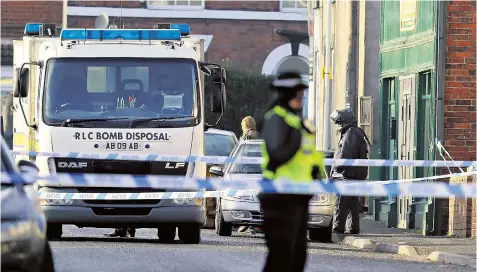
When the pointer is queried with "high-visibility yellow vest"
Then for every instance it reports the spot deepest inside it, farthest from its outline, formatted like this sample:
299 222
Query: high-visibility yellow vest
300 166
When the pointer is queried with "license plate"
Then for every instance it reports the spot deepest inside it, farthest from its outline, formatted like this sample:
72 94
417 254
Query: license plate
122 146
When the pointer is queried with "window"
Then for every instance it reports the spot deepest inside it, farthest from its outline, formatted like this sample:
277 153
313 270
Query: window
86 88
175 4
247 150
293 4
218 145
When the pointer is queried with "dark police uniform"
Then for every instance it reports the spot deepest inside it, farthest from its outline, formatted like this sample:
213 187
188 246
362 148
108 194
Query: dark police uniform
289 153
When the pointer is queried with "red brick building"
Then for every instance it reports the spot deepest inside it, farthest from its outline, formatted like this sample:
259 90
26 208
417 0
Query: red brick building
460 102
241 33
460 81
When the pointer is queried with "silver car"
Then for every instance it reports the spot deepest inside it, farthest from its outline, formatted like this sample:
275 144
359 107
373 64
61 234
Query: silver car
245 210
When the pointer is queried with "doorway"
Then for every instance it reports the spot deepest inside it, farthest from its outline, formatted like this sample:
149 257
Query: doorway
406 148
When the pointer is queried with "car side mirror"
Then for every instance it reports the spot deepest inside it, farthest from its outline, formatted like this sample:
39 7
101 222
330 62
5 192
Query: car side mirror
216 171
27 167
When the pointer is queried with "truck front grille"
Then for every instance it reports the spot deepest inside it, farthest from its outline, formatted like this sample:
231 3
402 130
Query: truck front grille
121 190
121 211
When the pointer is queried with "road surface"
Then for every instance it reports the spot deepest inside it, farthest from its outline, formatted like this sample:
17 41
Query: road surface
86 250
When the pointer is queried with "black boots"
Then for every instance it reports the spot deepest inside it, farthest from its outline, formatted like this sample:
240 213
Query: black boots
122 233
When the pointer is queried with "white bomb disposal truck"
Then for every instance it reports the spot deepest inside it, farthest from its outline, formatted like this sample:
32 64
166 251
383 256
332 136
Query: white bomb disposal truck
124 91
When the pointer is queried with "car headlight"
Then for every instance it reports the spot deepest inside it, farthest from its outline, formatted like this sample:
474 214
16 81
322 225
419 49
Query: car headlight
188 201
319 198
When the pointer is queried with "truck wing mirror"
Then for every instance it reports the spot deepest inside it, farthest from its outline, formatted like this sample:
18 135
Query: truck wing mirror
216 98
220 76
206 70
22 82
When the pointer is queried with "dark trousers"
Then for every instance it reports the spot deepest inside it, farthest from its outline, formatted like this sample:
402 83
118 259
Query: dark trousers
285 226
346 205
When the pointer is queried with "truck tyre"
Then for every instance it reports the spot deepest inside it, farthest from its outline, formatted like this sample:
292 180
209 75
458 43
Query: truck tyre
190 234
222 228
47 264
166 234
54 231
322 235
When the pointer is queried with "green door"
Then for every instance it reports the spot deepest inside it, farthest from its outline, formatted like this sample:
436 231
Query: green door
424 148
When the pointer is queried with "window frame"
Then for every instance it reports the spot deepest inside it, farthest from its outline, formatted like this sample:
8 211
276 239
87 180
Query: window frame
197 97
292 10
175 6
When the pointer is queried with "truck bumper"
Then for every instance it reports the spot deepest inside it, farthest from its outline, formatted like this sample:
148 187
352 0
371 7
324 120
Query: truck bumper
111 217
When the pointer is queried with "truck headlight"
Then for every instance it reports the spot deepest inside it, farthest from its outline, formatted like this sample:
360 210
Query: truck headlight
56 201
188 201
319 198
247 197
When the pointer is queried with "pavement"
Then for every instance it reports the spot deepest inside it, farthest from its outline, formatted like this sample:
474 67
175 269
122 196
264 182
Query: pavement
375 236
87 250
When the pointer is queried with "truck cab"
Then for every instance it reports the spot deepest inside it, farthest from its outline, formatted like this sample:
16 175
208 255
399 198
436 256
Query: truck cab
115 91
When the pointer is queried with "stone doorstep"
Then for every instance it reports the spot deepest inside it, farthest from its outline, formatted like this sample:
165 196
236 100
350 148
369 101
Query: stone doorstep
410 251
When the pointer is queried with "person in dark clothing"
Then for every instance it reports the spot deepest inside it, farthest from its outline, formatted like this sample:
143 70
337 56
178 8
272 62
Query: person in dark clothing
249 129
354 144
289 153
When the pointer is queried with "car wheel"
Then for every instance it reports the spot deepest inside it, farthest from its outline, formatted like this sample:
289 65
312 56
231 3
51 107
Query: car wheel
47 264
222 228
166 234
190 234
54 231
322 235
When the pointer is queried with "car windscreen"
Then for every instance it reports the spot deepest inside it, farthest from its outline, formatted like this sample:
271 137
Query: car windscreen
218 144
247 150
137 88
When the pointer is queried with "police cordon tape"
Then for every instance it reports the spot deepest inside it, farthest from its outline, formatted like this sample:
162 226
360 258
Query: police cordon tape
242 160
464 174
351 188
149 195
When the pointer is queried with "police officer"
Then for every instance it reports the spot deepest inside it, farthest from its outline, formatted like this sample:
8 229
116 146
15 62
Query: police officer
289 153
353 144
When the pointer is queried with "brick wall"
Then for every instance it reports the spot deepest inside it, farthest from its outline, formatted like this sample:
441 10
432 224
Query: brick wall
15 14
244 5
245 43
460 81
216 5
462 211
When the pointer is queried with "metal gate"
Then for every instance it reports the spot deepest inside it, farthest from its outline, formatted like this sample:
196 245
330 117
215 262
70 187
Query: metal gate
406 141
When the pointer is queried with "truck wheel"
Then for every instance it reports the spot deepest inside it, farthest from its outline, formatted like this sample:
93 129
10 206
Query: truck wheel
54 231
322 235
222 228
47 264
166 234
190 234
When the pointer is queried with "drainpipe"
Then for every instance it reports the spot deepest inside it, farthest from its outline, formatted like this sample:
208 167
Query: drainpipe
440 74
65 14
327 104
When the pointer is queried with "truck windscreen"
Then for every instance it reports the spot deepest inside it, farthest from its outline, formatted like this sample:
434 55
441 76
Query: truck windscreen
110 88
